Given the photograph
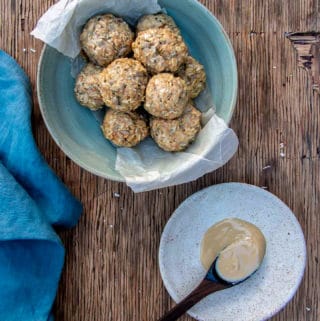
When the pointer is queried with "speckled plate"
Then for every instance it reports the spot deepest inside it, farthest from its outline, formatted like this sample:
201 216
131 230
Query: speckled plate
270 288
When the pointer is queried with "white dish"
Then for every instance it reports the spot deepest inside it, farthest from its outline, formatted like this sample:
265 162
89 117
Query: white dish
265 292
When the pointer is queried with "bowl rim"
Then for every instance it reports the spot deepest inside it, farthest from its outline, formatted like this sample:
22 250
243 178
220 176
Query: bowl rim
111 176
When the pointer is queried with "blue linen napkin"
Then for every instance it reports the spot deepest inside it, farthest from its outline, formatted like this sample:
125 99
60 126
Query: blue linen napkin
32 199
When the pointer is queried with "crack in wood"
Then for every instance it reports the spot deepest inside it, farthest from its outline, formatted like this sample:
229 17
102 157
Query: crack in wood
307 45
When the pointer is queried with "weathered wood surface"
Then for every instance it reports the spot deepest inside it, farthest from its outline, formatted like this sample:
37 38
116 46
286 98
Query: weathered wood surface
111 270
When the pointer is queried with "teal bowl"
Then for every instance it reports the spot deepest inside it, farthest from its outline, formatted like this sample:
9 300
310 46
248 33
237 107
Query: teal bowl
76 129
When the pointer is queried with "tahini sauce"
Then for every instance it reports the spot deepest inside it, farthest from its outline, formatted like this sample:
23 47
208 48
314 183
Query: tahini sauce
240 246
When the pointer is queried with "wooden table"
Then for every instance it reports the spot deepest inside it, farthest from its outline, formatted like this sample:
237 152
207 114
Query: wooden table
111 270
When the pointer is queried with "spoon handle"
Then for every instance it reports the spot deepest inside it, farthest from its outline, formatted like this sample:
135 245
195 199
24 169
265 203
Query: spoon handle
202 290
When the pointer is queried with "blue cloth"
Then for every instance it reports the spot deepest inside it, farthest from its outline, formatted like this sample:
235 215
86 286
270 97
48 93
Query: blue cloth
32 200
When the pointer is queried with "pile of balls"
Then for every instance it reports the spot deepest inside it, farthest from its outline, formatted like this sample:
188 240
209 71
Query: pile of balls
147 79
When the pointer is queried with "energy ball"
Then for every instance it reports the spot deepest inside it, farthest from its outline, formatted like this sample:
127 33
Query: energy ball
160 50
87 89
193 73
123 84
176 135
166 96
159 20
124 129
105 38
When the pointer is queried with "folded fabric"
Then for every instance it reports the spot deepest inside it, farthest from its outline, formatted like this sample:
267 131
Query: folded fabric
32 199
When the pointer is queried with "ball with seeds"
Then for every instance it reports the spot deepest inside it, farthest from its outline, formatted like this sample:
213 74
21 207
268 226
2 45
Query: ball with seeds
160 50
193 73
87 89
166 96
159 20
177 134
124 129
123 84
105 38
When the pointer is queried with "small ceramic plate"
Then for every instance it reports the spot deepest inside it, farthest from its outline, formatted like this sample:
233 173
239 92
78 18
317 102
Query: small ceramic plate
265 292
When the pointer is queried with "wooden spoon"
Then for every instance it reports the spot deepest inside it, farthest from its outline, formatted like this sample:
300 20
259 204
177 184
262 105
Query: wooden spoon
211 283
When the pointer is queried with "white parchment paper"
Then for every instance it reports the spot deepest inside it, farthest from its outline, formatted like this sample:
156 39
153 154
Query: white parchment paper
61 25
154 168
145 167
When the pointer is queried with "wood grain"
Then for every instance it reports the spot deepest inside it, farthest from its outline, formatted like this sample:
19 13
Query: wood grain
111 270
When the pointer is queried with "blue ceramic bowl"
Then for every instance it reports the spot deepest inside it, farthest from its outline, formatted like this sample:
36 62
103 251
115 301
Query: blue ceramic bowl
76 130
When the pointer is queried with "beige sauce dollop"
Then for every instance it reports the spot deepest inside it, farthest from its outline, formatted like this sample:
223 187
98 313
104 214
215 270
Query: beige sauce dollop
240 246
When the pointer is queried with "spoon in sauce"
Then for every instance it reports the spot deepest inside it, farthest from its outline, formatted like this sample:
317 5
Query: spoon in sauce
210 284
238 248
